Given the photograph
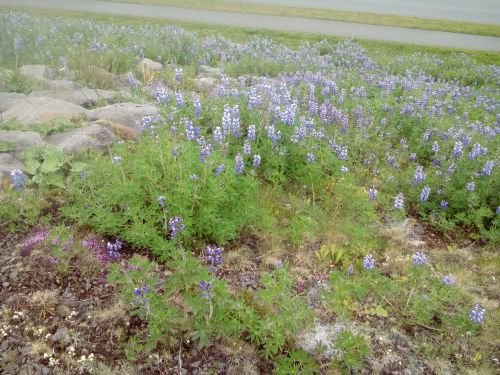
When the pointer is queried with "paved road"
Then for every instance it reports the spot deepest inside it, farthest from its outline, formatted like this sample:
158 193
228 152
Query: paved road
341 29
481 11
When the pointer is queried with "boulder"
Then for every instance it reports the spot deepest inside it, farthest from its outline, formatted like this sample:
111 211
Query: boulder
7 164
82 97
36 110
209 71
128 114
21 140
37 72
8 99
148 64
58 84
205 84
79 140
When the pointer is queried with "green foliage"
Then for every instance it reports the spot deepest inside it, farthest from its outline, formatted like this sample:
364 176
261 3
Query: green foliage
47 166
354 350
20 211
296 362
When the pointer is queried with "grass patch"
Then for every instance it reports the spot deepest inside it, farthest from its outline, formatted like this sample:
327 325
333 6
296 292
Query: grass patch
331 15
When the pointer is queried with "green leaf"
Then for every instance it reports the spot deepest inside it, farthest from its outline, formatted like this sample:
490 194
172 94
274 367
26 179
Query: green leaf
54 179
52 162
31 166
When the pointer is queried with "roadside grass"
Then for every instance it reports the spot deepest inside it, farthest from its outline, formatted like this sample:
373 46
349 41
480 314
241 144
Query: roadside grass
379 50
331 15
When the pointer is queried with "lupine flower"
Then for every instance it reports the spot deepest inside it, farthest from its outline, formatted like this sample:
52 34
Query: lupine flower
342 153
470 186
457 149
419 259
368 262
114 249
444 204
475 152
162 200
160 94
419 175
413 156
247 149
18 179
399 202
344 169
488 167
142 290
477 314
310 157
350 270
179 99
498 210
372 193
194 177
435 147
131 80
117 159
219 169
175 225
205 287
197 108
239 166
424 196
179 74
251 136
448 280
256 161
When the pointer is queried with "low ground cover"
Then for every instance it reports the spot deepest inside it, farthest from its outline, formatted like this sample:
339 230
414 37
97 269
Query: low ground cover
313 210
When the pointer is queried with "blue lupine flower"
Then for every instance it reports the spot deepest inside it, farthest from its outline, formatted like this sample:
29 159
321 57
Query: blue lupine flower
419 259
131 80
342 153
424 196
488 167
179 74
114 249
247 148
142 290
477 314
251 136
435 147
160 94
214 256
117 159
470 186
310 157
350 270
175 225
179 99
372 193
194 177
256 161
344 169
368 262
19 179
197 108
498 210
444 204
419 175
475 152
448 280
239 166
399 202
457 149
18 42
205 287
413 156
219 169
162 200
218 136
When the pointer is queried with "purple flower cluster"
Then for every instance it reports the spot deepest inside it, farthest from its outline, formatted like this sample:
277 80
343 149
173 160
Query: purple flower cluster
19 179
424 195
205 287
372 193
399 202
369 262
114 249
214 257
419 175
477 314
419 259
175 226
239 166
448 280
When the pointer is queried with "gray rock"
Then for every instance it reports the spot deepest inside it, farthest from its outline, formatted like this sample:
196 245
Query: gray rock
8 99
209 71
149 64
128 114
81 139
45 371
61 336
37 72
21 140
36 110
205 83
7 164
82 97
58 84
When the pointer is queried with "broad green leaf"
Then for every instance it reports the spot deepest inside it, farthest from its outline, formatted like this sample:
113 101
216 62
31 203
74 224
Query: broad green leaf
31 166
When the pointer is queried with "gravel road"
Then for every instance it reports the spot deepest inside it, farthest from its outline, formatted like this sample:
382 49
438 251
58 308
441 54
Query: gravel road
341 29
